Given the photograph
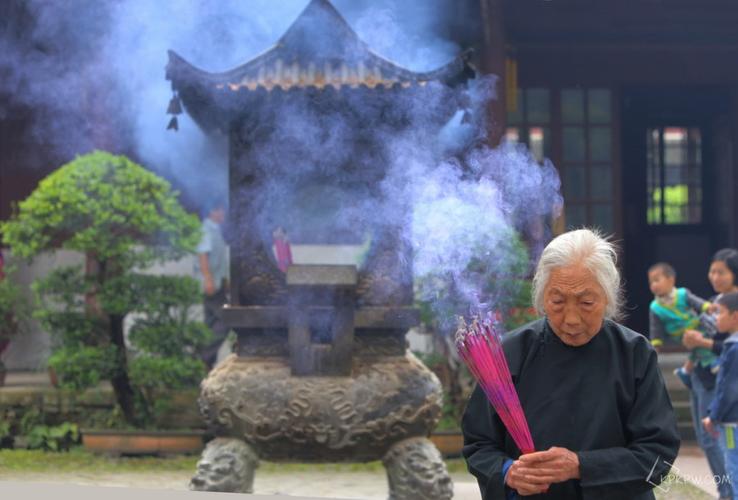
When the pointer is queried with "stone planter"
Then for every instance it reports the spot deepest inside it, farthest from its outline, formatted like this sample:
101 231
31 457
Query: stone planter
135 442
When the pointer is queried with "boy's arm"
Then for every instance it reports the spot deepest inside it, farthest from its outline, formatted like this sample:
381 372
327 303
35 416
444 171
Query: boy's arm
697 303
728 374
655 330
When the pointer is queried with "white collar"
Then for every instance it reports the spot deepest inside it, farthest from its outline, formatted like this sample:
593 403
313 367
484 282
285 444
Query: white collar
733 338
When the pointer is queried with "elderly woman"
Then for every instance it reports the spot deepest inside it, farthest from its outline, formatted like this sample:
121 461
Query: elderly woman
590 388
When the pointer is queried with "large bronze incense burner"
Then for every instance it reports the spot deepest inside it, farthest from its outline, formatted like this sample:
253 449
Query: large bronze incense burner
322 370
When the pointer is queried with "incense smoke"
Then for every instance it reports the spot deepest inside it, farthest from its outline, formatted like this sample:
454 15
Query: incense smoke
94 73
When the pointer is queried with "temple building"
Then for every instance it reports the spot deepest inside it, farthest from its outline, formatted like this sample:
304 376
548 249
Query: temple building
636 103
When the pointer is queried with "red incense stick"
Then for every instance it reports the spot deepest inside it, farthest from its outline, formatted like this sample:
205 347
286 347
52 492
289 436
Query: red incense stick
479 345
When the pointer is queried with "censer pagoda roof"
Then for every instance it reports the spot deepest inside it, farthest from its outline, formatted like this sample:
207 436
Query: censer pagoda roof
318 51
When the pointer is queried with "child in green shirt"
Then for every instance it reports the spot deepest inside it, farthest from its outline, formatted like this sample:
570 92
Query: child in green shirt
674 311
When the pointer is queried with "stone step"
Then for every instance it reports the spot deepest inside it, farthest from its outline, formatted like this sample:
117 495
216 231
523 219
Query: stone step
679 394
686 432
683 411
672 359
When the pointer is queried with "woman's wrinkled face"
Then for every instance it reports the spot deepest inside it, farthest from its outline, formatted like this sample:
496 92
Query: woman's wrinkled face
721 278
574 303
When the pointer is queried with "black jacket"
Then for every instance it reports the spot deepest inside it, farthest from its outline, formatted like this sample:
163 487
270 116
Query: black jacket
605 400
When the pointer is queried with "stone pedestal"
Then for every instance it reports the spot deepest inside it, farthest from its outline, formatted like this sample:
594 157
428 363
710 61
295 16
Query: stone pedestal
321 379
384 411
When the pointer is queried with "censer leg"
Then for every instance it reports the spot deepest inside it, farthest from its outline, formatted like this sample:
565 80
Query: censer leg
227 465
416 471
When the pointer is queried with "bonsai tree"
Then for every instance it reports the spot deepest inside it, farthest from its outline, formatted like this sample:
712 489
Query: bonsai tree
164 335
122 218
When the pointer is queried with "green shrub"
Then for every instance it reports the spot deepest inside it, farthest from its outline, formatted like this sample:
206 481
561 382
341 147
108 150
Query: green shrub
6 437
499 280
53 438
83 366
38 434
122 218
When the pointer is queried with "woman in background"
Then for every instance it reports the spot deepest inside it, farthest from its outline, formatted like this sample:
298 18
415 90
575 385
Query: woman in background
723 276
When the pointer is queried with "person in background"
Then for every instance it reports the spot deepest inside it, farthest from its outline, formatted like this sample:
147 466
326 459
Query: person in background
282 248
211 268
723 276
723 412
674 311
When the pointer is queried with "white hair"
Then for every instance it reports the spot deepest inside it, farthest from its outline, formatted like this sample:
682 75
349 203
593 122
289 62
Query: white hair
596 253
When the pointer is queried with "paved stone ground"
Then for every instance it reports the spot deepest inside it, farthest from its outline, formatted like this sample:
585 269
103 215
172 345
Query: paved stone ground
690 464
359 485
345 485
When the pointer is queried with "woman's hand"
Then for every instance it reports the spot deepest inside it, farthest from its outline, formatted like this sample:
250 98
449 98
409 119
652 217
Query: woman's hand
554 465
693 339
534 473
525 480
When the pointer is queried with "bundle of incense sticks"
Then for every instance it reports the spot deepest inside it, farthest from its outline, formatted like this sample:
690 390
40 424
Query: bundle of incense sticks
480 346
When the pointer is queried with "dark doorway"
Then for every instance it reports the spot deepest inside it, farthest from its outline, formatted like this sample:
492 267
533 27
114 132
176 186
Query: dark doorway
669 157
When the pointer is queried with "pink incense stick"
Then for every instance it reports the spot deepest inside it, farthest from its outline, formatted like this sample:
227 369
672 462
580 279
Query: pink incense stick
479 345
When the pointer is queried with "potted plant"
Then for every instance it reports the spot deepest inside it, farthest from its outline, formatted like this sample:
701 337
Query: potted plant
14 311
122 218
162 367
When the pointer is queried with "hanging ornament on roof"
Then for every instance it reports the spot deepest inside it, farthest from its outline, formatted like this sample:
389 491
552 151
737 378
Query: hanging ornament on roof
175 108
